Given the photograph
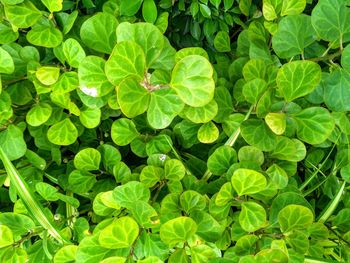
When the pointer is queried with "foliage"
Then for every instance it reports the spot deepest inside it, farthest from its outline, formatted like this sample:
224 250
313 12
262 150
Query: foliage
174 131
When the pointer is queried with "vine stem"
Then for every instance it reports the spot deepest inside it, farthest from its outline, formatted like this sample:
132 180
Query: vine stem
327 57
230 142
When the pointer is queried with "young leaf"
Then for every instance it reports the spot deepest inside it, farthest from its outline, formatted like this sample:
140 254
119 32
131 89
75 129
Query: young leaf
177 230
87 159
192 80
252 217
247 182
63 133
294 217
6 62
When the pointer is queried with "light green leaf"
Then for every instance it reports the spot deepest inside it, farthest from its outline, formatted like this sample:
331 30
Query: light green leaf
53 5
48 75
92 76
149 11
177 230
287 149
67 82
98 32
81 181
192 79
252 217
276 122
293 217
201 114
293 35
278 176
6 236
131 192
44 34
158 52
253 90
151 175
174 170
298 78
22 15
12 142
66 254
6 62
164 106
90 118
133 98
247 182
127 59
225 195
292 7
330 20
7 35
314 125
123 131
39 114
191 200
73 52
63 133
190 51
88 159
222 42
208 133
120 234
18 223
271 8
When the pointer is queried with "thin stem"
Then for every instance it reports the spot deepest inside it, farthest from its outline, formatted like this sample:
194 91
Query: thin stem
327 57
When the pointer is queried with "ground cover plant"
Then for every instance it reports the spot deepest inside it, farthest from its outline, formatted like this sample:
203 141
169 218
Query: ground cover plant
174 131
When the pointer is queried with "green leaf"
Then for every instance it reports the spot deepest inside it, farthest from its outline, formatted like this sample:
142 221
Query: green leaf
6 236
123 131
174 170
344 57
225 195
287 149
329 18
6 62
222 42
129 9
88 159
254 68
208 228
205 10
177 230
39 114
92 77
7 35
81 181
90 118
253 90
98 32
256 133
190 51
12 142
298 78
44 34
35 159
271 9
149 11
127 59
131 192
18 223
293 35
67 82
247 182
201 114
47 191
48 75
294 217
292 7
53 5
314 125
221 159
151 175
337 93
208 133
65 254
192 80
133 98
148 37
164 106
73 52
63 133
144 214
120 234
22 15
191 200
252 217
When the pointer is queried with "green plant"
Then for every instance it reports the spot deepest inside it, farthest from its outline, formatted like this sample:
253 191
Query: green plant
118 147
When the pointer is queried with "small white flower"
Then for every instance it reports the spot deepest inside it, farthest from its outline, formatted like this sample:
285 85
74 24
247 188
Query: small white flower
162 157
89 91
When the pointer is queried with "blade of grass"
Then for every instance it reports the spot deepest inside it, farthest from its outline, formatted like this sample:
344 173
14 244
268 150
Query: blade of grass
33 207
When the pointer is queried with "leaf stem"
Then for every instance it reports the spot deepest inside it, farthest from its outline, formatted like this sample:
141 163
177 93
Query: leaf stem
327 57
230 142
